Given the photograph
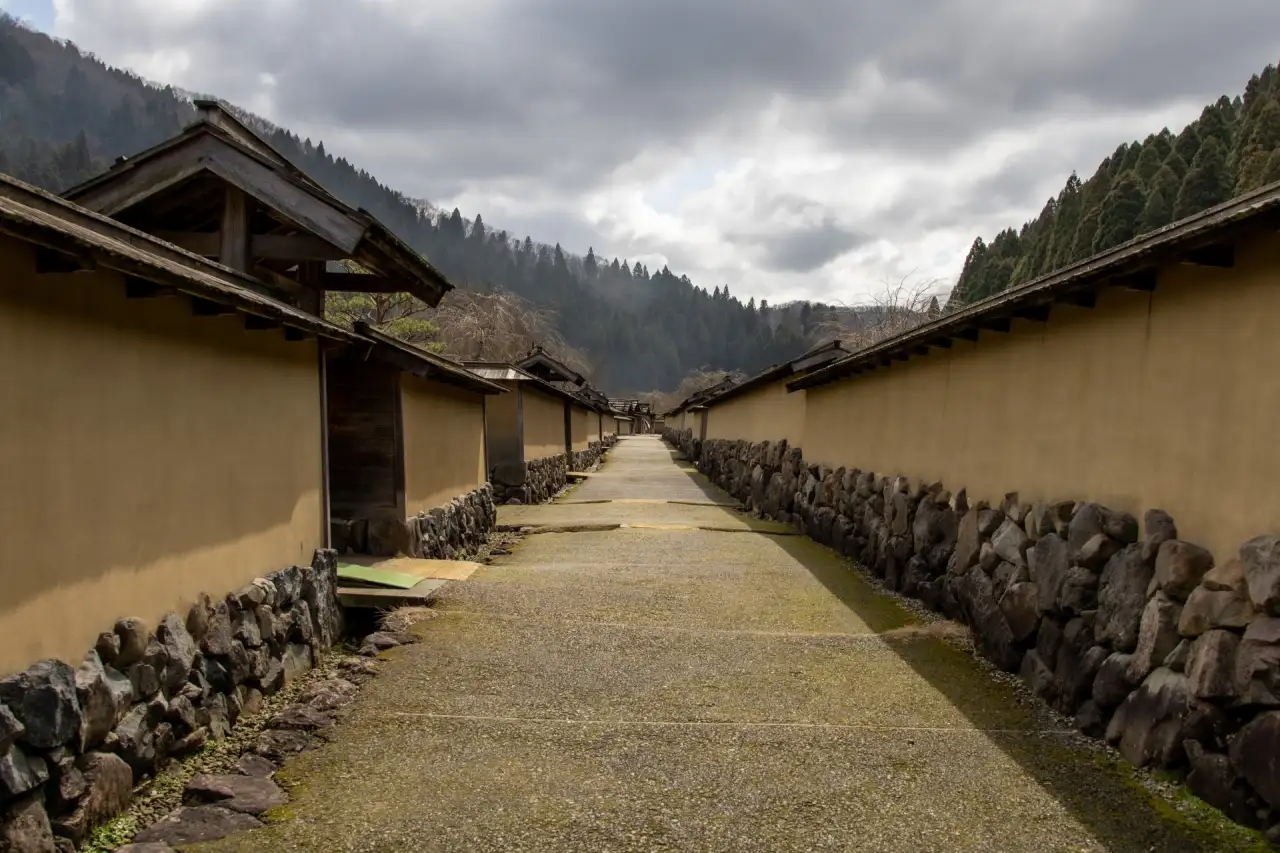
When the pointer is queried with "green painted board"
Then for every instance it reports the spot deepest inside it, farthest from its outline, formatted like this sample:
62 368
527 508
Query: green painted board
376 577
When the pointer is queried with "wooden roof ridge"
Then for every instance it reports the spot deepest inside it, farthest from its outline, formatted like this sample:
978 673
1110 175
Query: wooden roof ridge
218 124
1205 239
423 363
539 354
84 239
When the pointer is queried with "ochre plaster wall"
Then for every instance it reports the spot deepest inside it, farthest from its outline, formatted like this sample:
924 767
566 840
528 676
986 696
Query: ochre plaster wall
762 414
443 430
580 421
1167 399
543 425
146 454
502 420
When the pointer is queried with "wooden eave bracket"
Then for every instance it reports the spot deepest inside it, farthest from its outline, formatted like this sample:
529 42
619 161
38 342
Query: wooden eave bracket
1220 255
57 261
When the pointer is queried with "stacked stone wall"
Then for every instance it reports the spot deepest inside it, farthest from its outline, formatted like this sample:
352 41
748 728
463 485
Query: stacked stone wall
450 531
542 479
74 740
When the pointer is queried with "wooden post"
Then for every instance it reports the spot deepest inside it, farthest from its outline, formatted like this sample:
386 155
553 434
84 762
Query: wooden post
233 250
311 299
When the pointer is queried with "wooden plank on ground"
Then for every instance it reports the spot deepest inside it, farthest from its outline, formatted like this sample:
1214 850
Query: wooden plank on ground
422 593
450 570
353 574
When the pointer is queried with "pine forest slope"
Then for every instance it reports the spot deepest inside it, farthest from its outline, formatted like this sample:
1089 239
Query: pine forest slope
1232 148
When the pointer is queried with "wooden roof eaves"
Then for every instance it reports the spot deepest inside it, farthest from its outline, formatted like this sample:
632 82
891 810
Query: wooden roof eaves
541 355
425 364
43 219
366 240
1132 265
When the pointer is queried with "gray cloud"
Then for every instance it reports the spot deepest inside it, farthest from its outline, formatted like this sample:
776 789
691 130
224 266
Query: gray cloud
570 89
805 248
549 99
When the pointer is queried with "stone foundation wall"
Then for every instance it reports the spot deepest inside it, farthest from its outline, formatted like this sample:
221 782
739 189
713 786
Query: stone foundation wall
447 532
74 741
684 441
582 460
1143 638
542 479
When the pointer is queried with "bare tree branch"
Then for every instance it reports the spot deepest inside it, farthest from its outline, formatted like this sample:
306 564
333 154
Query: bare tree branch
500 326
899 307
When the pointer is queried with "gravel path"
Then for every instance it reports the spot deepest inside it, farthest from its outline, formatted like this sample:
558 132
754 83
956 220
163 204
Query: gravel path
679 688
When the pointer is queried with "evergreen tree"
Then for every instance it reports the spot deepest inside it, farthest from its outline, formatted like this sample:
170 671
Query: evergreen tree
1149 163
1086 232
1272 172
1177 165
1206 183
1118 216
1264 138
1129 161
589 265
1066 221
1187 143
1158 211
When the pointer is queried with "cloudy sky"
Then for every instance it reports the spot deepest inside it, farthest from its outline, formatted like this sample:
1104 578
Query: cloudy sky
790 149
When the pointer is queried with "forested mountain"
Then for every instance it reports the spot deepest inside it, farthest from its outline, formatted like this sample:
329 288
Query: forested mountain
66 116
1232 148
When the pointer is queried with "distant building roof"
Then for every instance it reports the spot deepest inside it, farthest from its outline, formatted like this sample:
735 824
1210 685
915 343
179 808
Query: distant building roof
541 364
820 356
698 397
428 365
501 371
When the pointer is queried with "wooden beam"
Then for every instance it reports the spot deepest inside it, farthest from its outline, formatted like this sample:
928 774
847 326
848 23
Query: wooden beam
254 323
209 308
135 182
233 245
52 262
921 350
1080 298
358 283
140 288
941 343
997 324
297 204
311 299
279 282
1143 280
268 247
967 334
1222 255
295 334
1034 313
